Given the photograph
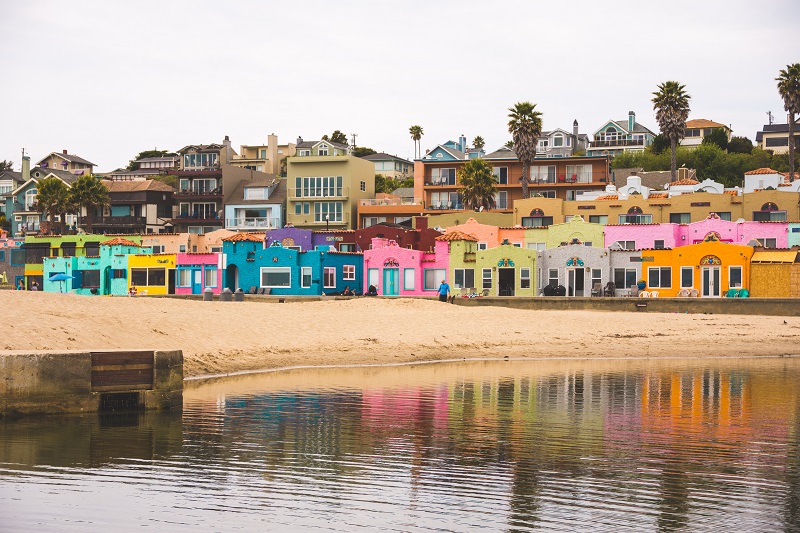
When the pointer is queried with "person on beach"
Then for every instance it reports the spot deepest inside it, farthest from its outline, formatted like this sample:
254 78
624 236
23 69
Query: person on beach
34 285
444 291
372 291
133 291
20 286
347 291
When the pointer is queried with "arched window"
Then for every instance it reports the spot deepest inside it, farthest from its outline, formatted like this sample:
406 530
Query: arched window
537 219
537 212
635 216
769 213
635 210
769 206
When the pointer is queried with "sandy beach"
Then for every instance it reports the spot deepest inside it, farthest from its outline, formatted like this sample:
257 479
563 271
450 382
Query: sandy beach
222 337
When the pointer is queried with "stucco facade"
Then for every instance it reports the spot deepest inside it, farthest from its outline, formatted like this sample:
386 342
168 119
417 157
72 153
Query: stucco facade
152 274
579 268
506 270
195 272
398 271
577 229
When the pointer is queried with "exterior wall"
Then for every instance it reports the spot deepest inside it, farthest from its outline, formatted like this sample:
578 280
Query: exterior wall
775 280
644 235
485 233
174 243
289 237
198 264
449 220
502 257
388 255
576 228
154 261
13 272
690 256
417 239
353 171
579 257
59 163
793 234
462 255
389 209
674 235
333 238
235 218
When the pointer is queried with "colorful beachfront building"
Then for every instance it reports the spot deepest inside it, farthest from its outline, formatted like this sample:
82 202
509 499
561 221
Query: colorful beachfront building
397 271
538 237
659 236
103 274
196 272
152 274
775 274
582 269
287 271
710 268
12 261
176 243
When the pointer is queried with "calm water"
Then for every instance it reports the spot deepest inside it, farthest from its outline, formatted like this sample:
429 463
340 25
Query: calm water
583 445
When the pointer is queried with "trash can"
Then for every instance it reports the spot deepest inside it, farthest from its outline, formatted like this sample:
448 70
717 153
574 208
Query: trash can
225 295
238 296
208 295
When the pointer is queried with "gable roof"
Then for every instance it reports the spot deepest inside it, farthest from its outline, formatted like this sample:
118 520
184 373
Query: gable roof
383 156
67 157
763 170
703 123
119 241
243 237
312 144
503 152
452 152
137 185
277 196
456 235
404 192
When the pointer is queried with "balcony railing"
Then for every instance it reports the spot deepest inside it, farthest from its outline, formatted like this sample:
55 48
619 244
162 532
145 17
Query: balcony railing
337 193
440 181
190 217
603 143
198 191
391 201
447 206
250 223
114 221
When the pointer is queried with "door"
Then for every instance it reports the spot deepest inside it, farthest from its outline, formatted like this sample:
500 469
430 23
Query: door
197 281
506 282
171 281
391 279
711 282
575 282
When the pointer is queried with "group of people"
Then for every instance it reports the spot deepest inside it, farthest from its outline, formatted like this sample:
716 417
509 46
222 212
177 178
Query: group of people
34 285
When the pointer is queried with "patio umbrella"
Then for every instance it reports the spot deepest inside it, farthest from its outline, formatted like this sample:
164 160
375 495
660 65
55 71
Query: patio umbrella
61 278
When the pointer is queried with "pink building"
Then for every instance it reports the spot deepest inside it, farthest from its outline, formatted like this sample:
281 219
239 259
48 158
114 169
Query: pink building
491 236
643 236
196 272
397 271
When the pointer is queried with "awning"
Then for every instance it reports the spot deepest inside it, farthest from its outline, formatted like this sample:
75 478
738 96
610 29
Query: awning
775 257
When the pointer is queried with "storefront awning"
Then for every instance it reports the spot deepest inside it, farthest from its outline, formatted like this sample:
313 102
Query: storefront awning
775 257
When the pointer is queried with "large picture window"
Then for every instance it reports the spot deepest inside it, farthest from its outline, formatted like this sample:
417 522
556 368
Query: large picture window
276 277
433 277
329 277
184 277
464 278
687 277
321 186
331 210
624 278
148 277
90 279
659 277
409 275
305 277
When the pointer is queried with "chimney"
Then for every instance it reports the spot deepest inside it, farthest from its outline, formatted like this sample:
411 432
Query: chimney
65 152
462 142
575 128
631 120
26 168
272 153
421 223
227 144
299 139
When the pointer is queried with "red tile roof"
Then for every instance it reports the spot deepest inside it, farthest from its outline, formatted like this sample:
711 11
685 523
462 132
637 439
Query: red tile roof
732 193
244 237
703 123
608 197
761 171
684 181
456 236
658 195
119 241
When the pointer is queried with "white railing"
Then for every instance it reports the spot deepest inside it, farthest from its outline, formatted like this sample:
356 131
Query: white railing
251 223
391 201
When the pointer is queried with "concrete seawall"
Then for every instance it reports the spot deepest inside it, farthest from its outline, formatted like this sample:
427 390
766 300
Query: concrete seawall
83 381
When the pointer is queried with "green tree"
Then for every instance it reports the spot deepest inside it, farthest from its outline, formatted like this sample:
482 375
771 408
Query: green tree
52 197
416 134
381 183
740 145
6 165
718 137
90 193
133 165
660 143
671 104
362 151
525 128
478 184
478 143
789 89
167 179
336 137
509 145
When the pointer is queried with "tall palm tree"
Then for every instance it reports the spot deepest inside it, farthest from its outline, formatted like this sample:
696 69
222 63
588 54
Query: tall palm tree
478 143
416 134
789 89
52 197
671 103
90 193
478 184
525 127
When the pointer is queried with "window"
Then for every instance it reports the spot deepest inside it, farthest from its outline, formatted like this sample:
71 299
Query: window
537 221
305 277
734 276
626 245
524 278
680 218
92 249
625 278
347 247
658 244
723 215
158 248
322 150
777 141
349 272
363 186
543 174
501 175
482 246
558 141
768 243
327 211
598 219
635 219
552 277
321 186
373 276
329 277
276 277
443 176
408 279
118 273
184 277
90 279
433 277
464 278
211 277
303 153
501 200
148 277
597 277
538 246
687 277
487 278
256 193
659 277
302 208
181 248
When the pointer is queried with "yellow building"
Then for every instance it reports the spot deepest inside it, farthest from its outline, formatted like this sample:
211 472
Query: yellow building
152 274
707 269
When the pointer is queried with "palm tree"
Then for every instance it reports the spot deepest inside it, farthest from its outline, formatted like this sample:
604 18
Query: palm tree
52 197
671 103
789 89
478 184
478 143
90 193
525 127
416 135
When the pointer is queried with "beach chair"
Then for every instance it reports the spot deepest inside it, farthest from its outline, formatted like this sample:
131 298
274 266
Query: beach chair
252 290
610 289
683 293
597 290
653 294
644 294
694 293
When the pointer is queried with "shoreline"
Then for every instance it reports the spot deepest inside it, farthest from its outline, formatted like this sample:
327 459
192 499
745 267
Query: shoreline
250 337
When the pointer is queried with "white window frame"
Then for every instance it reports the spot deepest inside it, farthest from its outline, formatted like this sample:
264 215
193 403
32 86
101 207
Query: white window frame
348 272
690 270
326 273
373 276
409 279
210 276
486 278
306 273
741 276
525 278
660 283
276 270
439 274
482 246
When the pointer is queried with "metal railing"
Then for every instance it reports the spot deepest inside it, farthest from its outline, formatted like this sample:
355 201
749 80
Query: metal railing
114 221
249 223
391 201
602 143
320 193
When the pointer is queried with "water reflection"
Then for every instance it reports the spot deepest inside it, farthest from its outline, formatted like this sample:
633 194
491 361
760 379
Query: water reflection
564 445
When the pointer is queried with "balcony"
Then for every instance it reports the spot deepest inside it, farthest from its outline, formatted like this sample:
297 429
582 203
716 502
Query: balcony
252 223
391 201
440 182
450 206
316 194
616 142
190 218
198 192
119 222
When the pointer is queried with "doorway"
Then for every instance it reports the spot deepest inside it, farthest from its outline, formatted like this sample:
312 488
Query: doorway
391 278
197 281
575 282
506 281
711 282
232 277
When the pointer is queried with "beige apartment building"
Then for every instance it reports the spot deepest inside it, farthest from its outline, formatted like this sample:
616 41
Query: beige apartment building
68 162
264 157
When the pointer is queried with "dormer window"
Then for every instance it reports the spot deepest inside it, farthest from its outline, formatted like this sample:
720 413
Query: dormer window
256 193
323 149
558 141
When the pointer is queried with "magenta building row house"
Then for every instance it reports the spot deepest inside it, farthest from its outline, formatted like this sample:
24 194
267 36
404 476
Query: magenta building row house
397 271
196 272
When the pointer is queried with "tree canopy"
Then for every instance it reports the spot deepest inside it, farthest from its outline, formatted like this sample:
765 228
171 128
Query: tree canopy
6 165
336 137
525 127
671 104
389 185
53 198
361 151
740 145
717 137
90 193
478 184
133 165
416 134
478 143
789 89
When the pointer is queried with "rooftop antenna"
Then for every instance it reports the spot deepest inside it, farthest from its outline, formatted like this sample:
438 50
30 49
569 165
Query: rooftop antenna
354 135
770 117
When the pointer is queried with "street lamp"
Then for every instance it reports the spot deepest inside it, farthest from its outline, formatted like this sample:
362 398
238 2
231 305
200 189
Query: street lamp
327 220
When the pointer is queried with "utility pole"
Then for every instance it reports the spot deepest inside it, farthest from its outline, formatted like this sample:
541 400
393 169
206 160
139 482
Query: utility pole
770 117
353 144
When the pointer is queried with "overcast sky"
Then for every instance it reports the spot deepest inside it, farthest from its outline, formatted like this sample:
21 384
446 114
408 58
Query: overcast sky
106 80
